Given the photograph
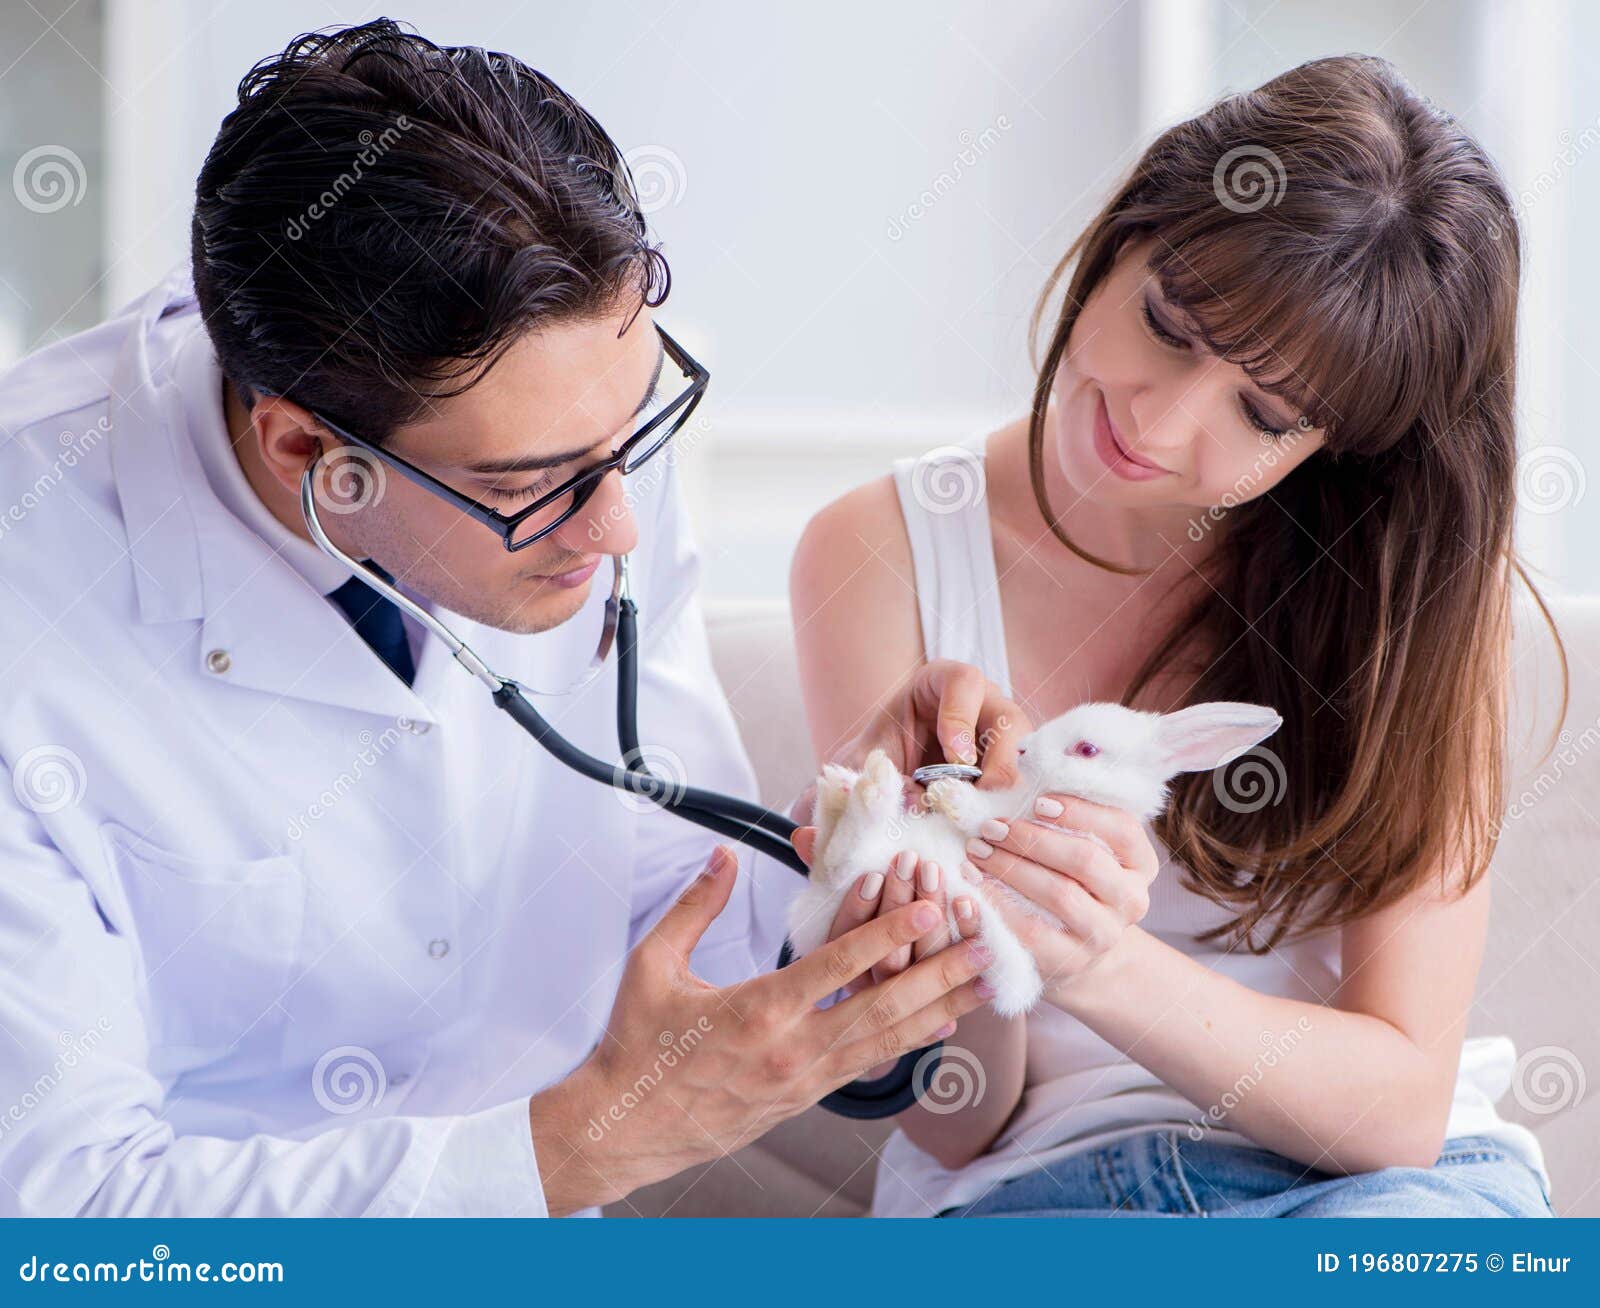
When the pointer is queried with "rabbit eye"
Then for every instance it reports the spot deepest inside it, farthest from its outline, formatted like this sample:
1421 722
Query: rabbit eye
1084 749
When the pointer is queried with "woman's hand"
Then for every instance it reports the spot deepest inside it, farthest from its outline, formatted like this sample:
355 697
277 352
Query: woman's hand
1087 864
948 712
876 894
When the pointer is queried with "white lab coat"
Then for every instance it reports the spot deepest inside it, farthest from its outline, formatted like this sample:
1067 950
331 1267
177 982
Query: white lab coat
279 934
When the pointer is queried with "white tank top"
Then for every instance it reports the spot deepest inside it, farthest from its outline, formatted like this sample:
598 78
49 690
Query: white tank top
1081 1092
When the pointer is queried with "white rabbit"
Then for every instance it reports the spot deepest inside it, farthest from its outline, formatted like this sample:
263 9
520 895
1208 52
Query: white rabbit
1101 752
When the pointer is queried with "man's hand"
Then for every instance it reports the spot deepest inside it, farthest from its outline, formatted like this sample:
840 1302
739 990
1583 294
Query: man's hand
687 1072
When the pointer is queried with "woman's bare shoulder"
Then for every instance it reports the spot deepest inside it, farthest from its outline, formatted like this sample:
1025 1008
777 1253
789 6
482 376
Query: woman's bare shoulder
856 545
853 600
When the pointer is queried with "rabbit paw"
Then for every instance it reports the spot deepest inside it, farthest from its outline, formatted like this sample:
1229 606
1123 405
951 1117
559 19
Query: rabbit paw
880 785
956 800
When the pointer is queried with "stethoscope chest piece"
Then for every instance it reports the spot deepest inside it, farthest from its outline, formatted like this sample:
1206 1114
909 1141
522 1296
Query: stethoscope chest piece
939 771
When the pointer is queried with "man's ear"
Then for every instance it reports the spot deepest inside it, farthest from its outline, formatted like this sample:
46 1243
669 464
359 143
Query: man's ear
1205 736
286 438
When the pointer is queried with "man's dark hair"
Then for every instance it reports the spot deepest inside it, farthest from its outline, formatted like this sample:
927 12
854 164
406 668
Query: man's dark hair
382 217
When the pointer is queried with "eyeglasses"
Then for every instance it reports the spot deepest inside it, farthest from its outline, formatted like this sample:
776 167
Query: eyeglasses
535 521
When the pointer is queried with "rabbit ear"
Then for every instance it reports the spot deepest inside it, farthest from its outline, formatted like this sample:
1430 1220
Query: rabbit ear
1205 736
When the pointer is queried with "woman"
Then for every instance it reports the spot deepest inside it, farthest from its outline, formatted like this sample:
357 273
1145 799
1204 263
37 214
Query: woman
1270 457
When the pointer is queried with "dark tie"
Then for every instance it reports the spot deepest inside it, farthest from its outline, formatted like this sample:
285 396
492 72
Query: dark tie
377 621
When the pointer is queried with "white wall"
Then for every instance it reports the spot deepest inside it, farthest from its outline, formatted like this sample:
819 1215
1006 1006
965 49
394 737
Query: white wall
860 201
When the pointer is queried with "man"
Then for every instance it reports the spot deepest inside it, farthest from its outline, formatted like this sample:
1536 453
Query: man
292 919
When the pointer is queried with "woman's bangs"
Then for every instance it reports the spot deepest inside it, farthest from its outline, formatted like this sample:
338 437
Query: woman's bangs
1302 330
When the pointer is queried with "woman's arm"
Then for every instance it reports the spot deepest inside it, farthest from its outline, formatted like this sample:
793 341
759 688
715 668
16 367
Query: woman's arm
1361 1084
859 641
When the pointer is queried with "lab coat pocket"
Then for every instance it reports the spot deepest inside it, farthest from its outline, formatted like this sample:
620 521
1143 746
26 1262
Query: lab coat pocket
216 941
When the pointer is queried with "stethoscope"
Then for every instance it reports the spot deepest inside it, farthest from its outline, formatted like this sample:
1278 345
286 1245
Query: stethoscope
762 829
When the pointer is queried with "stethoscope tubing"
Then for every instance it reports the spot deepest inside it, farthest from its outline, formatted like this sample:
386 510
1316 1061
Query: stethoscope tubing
761 829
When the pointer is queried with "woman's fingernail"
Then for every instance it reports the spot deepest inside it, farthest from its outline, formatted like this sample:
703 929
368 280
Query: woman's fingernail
928 878
964 909
980 953
945 1031
994 830
1044 806
925 918
871 884
905 864
984 989
979 848
962 745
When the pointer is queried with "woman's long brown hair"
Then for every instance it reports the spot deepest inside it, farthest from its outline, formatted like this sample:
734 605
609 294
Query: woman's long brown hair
1355 251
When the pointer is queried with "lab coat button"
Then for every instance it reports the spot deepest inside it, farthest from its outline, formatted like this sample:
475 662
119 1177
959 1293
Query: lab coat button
438 948
415 728
399 1078
218 661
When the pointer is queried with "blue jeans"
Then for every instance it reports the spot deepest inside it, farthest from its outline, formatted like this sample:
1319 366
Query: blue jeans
1167 1174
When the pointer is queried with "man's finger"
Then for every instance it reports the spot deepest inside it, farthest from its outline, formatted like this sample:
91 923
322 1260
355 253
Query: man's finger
835 965
686 921
858 907
875 1009
854 1056
804 841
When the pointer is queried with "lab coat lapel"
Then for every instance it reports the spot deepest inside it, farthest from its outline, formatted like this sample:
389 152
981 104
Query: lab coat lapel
267 629
150 482
262 626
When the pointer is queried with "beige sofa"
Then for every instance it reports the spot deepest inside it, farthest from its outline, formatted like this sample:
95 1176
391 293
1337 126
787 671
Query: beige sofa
1540 982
